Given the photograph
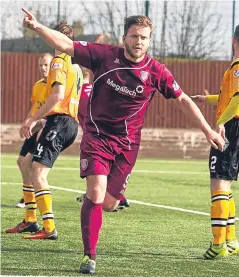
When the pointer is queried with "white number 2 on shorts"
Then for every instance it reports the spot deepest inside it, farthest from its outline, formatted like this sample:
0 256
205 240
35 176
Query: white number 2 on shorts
213 161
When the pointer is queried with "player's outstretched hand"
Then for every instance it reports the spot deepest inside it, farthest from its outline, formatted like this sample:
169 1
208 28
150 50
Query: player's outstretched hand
198 98
29 20
215 140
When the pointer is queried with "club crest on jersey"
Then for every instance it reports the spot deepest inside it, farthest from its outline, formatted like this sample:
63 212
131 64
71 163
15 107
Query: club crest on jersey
236 73
144 75
82 42
139 89
83 164
175 85
56 65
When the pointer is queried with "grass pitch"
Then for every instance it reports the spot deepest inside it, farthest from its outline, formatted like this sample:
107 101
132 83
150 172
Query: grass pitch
142 241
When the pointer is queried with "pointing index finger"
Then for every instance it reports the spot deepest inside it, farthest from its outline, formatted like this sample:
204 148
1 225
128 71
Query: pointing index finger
27 13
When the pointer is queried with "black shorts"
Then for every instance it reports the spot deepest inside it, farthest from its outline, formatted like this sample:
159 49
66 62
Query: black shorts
29 145
224 165
59 132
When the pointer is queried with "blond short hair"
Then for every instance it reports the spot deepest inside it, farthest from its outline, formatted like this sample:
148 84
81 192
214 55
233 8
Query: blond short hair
140 20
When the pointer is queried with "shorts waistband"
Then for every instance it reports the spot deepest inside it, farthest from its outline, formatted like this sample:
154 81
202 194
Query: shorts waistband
58 114
61 115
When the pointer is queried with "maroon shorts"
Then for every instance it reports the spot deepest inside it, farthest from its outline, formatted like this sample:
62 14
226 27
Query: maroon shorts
103 156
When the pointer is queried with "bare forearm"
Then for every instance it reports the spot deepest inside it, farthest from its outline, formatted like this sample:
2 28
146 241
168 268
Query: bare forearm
55 39
39 125
51 102
29 114
191 110
55 97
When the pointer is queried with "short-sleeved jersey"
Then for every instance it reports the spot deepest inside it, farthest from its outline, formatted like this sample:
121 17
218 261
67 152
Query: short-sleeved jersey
122 89
85 94
39 96
62 71
229 87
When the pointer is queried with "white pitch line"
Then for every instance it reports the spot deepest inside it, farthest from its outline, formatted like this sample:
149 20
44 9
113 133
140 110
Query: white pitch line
67 158
130 200
134 171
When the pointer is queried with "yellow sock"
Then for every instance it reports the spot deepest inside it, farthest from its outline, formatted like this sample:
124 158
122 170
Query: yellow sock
30 202
219 216
44 204
230 230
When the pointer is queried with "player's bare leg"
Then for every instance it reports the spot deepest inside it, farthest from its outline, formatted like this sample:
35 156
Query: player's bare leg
20 203
110 203
123 203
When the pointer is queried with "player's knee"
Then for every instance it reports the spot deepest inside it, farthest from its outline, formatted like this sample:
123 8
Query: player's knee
39 176
110 205
24 166
110 208
96 196
19 163
220 185
95 193
38 180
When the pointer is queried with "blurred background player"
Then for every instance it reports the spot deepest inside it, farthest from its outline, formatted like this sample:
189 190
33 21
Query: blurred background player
60 109
85 93
223 166
38 98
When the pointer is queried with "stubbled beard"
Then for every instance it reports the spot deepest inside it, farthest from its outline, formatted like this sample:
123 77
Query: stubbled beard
131 53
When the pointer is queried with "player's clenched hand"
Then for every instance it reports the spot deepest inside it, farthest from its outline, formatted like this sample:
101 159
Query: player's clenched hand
29 20
26 129
215 140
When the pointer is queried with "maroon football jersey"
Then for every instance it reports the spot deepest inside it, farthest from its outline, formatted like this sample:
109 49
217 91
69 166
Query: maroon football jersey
122 90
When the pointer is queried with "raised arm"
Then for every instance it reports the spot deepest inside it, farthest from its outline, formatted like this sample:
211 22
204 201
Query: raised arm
53 38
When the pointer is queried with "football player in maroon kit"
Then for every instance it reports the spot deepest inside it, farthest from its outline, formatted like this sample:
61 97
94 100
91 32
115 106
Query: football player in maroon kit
125 81
85 94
